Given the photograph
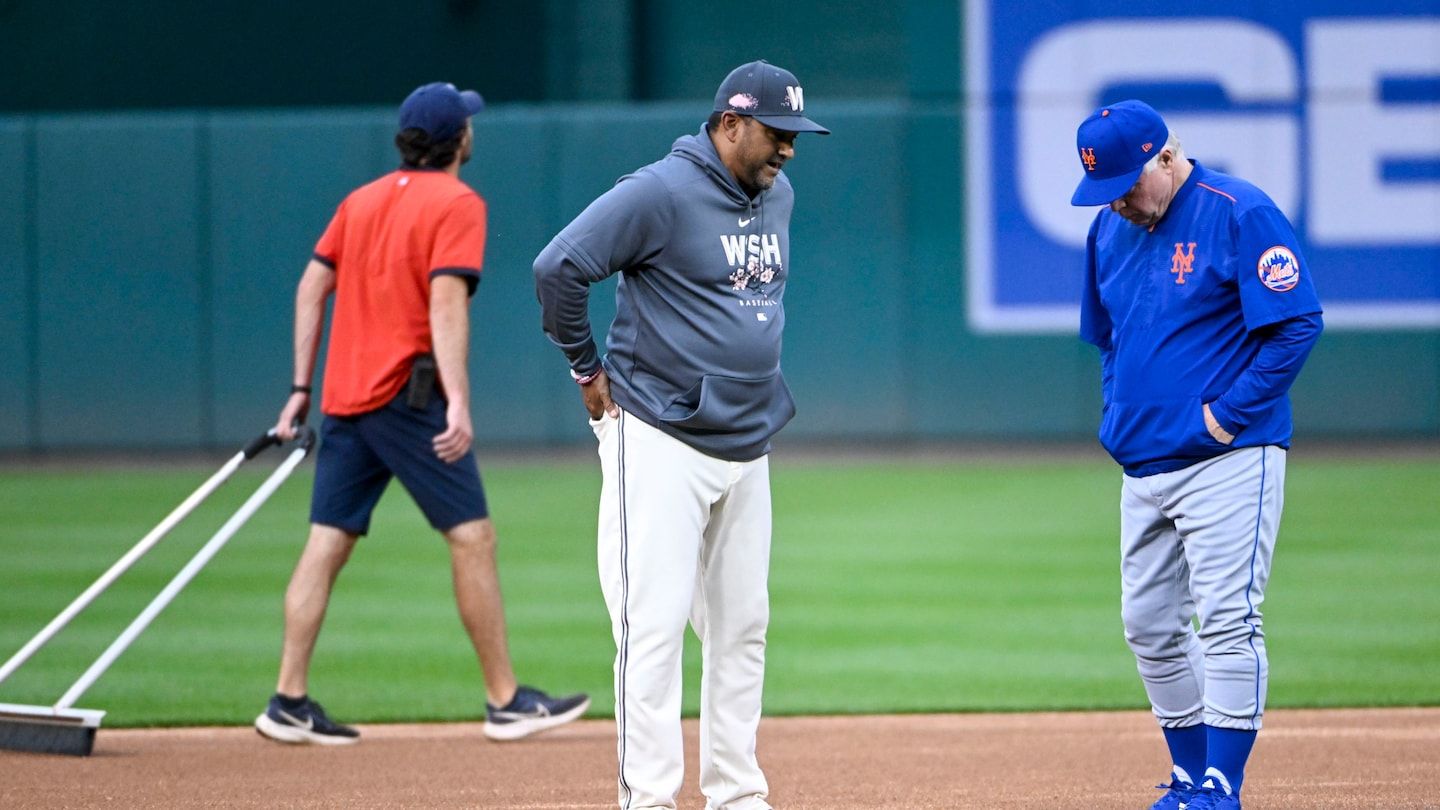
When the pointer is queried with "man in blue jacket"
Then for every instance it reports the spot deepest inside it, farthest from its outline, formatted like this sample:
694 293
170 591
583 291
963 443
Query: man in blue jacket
1203 309
684 404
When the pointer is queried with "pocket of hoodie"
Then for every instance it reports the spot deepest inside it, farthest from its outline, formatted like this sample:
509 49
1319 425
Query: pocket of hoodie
736 405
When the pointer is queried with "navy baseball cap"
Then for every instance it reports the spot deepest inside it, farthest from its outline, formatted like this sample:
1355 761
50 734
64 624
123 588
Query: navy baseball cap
769 94
1115 143
439 110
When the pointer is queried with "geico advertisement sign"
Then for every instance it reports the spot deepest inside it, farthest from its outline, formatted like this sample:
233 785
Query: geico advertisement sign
1335 116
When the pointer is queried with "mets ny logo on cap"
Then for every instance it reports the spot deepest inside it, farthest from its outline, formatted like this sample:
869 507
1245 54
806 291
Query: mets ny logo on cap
1087 154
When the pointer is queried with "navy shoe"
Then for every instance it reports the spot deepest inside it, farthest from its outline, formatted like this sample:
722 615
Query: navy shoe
306 724
530 711
1178 795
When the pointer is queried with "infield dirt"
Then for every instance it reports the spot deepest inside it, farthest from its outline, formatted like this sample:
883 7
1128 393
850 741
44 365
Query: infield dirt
1358 758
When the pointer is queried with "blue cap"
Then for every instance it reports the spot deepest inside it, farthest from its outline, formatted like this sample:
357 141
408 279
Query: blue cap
771 95
1115 143
439 110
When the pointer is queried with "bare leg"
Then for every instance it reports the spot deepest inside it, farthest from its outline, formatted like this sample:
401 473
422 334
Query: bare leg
305 602
477 595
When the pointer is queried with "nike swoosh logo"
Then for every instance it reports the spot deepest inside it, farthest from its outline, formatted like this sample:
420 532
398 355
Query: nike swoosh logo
745 222
508 717
308 725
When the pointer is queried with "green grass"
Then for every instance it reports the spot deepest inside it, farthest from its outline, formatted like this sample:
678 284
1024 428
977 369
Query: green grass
895 588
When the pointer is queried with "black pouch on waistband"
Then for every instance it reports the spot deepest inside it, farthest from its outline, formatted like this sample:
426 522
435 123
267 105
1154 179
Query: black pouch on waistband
422 381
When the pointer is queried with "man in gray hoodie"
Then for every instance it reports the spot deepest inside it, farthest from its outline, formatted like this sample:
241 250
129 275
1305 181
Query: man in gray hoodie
684 404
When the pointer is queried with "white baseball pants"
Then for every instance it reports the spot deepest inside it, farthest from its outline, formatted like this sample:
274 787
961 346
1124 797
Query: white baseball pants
1199 541
683 535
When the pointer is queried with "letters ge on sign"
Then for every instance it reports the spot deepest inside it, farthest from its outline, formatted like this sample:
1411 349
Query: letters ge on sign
1351 130
1332 111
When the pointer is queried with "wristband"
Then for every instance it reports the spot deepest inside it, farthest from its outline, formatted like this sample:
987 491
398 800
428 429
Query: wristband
299 389
585 379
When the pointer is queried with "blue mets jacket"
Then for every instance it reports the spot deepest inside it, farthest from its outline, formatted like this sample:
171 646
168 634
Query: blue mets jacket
1213 304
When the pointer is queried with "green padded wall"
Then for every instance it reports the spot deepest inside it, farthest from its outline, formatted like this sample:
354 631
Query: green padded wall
17 324
119 298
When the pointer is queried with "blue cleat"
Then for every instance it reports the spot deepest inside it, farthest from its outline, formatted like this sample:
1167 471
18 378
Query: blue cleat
1177 795
1210 796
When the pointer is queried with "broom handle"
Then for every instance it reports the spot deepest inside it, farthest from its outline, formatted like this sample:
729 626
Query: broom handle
141 549
189 571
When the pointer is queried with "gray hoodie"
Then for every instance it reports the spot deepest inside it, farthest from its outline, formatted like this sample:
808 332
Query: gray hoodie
695 346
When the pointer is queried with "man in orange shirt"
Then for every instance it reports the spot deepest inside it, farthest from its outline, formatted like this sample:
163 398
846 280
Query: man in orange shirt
402 256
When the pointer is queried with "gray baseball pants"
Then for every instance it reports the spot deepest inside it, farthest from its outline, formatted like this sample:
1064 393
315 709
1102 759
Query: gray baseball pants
1197 542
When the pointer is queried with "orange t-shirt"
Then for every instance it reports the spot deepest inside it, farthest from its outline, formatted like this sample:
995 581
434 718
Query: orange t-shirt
388 239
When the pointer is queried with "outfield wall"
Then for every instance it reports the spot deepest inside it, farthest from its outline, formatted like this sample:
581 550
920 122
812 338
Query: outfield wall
148 263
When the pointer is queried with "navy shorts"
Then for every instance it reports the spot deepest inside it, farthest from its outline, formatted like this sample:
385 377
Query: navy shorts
359 454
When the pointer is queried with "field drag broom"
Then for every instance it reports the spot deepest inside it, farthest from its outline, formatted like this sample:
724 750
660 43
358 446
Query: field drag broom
62 729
